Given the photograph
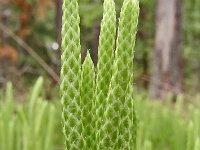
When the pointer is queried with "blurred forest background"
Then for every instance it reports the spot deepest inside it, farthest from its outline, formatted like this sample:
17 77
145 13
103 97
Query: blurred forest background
167 53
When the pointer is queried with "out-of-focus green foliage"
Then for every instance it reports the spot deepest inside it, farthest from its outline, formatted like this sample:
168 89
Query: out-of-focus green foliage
167 126
28 126
191 27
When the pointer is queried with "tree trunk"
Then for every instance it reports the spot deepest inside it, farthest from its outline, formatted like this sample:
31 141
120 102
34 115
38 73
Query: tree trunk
167 55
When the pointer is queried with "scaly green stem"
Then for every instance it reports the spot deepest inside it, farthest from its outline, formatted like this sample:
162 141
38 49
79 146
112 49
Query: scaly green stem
71 75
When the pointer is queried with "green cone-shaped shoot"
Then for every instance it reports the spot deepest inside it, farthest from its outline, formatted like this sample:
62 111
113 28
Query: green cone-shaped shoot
87 101
99 115
105 59
71 75
118 129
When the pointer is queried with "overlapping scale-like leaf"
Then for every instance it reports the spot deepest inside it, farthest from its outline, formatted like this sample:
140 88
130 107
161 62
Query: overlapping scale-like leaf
105 59
71 75
118 125
87 102
99 115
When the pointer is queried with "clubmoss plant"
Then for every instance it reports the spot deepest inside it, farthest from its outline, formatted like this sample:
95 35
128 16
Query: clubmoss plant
71 75
87 96
27 126
105 60
119 122
99 113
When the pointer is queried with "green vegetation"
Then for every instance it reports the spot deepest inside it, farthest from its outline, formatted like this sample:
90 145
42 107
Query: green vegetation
160 126
169 127
100 107
27 126
36 19
115 122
